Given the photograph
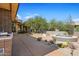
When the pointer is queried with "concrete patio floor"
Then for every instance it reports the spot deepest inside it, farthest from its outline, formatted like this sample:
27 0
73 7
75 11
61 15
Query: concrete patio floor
25 45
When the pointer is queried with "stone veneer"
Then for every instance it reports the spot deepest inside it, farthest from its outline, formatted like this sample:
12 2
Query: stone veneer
7 45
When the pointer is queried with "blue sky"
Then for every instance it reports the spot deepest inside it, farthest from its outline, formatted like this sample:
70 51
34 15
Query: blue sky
59 11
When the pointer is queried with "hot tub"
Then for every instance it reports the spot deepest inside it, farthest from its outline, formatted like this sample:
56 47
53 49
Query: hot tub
63 38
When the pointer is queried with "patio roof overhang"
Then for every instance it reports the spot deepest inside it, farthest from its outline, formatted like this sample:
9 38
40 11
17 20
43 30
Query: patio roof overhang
13 7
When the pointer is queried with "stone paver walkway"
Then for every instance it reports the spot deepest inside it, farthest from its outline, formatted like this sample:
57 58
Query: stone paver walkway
55 53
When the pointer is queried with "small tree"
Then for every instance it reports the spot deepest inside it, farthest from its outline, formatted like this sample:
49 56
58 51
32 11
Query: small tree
61 26
37 24
53 24
70 26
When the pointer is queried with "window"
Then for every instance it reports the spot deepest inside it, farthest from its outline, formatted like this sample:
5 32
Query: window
1 51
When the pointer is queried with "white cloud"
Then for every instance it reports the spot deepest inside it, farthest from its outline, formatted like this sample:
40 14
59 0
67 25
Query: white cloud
19 17
36 14
76 20
31 16
27 17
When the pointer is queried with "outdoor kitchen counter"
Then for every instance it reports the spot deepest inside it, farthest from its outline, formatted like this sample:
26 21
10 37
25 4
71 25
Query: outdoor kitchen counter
10 36
6 45
5 37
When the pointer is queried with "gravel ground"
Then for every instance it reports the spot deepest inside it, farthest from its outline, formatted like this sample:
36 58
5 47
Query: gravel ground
76 52
44 36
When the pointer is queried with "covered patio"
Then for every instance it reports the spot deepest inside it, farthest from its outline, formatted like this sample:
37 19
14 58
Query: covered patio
8 13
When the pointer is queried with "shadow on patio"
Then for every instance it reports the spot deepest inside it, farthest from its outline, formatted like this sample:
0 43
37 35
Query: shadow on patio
25 45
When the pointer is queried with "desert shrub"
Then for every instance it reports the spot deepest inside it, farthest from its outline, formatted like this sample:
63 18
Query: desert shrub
45 40
77 28
59 45
39 38
51 41
63 45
